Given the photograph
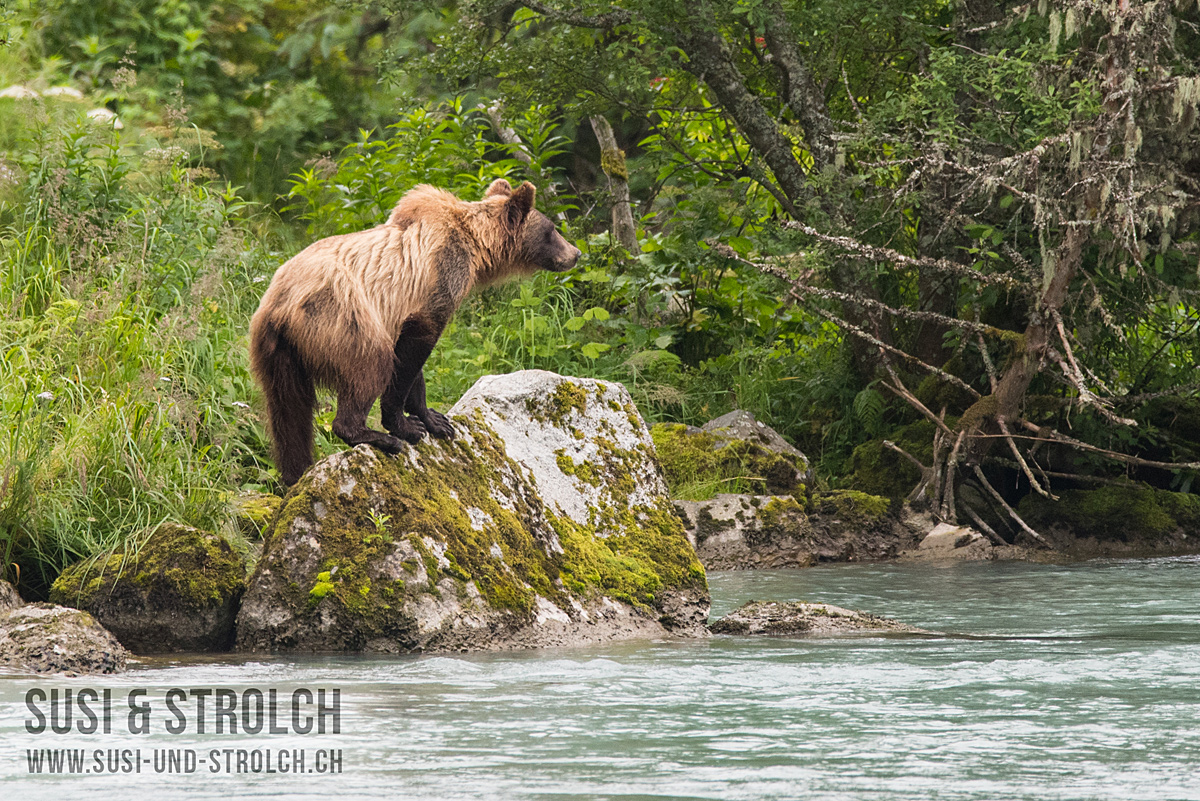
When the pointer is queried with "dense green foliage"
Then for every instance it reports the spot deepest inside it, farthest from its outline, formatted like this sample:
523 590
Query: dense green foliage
132 256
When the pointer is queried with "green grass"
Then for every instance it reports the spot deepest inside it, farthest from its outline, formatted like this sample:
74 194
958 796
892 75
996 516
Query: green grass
125 291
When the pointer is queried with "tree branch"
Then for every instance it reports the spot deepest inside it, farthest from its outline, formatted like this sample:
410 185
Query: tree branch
800 91
1063 439
611 19
612 161
710 61
885 255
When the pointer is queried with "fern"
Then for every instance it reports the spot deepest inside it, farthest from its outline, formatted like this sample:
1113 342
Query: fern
868 411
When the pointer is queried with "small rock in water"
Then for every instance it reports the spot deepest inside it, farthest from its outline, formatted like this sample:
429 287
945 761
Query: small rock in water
45 638
798 617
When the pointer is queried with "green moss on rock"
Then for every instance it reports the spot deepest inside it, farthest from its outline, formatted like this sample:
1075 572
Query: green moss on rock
179 564
650 554
177 591
699 465
851 506
1123 513
558 405
254 512
428 508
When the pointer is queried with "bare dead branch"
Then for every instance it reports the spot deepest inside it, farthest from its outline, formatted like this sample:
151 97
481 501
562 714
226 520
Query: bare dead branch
1116 482
884 255
1033 482
982 526
887 443
949 513
1011 511
727 252
506 133
1062 439
901 390
1071 370
859 332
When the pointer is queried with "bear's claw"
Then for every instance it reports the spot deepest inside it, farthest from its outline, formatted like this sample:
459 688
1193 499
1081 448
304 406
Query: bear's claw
438 425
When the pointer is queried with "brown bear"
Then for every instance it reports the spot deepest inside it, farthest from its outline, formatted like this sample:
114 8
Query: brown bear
361 312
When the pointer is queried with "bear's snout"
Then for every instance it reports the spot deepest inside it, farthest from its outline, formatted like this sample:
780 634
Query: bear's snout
571 259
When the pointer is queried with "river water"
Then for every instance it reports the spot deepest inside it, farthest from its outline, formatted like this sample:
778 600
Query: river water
1077 681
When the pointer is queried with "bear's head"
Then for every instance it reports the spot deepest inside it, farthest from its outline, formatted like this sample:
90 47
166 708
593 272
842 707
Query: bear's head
538 244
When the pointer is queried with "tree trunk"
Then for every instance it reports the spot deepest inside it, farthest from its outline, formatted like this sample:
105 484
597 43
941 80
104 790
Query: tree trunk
612 161
710 61
1004 404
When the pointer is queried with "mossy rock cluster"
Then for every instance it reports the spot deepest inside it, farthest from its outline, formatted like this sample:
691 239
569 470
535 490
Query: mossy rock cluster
1135 514
178 591
464 543
700 464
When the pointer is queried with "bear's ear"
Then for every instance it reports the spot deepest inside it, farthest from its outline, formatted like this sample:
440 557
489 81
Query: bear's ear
518 206
498 187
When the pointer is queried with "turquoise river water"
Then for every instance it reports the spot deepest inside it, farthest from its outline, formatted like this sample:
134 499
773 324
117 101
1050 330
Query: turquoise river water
1077 681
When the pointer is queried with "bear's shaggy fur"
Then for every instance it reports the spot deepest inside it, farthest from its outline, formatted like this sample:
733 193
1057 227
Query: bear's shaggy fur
361 312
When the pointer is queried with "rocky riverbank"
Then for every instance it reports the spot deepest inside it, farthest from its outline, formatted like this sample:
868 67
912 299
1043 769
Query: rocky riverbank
554 517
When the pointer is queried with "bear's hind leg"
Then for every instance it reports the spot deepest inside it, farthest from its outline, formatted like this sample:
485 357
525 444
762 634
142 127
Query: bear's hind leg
355 397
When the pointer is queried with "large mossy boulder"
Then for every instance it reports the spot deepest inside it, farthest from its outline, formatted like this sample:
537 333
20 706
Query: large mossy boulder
178 591
543 522
1117 519
732 454
45 638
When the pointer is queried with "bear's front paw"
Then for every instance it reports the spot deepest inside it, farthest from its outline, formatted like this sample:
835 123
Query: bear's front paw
438 425
408 429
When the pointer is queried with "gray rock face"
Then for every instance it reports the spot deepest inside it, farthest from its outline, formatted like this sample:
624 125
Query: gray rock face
799 618
544 522
739 532
45 638
732 532
8 597
582 439
178 592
